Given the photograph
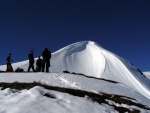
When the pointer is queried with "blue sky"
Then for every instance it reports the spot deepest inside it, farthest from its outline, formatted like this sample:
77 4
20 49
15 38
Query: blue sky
120 26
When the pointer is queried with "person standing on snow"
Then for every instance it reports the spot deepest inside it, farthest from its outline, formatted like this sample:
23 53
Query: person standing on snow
31 61
46 54
9 60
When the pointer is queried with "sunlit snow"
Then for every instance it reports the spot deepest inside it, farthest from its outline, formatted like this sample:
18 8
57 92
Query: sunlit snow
85 57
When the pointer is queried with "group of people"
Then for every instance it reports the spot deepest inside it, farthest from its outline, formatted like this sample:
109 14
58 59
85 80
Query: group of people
40 63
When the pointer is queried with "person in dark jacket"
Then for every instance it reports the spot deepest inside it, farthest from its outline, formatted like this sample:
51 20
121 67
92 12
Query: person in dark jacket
38 64
31 61
9 66
46 54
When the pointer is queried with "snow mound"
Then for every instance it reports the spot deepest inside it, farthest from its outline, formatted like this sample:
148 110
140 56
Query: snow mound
81 57
89 58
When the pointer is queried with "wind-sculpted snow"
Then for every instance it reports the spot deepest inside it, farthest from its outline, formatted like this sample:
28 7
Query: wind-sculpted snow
82 57
89 58
92 60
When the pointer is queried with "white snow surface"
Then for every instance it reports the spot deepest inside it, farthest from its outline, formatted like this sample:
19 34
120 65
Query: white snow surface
84 57
33 100
27 101
147 74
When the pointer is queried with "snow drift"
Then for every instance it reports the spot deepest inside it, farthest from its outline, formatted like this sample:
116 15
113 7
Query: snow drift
89 58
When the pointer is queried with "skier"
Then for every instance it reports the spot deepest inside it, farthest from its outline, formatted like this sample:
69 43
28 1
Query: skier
31 61
9 66
38 64
46 54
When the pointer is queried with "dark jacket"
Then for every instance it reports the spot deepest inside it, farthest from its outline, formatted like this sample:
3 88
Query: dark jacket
31 58
46 54
9 60
39 62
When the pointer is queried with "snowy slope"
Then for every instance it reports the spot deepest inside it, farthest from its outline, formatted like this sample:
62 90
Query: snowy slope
75 82
89 58
34 101
147 74
41 100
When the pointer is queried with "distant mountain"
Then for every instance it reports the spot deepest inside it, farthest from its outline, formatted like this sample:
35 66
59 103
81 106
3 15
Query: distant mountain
89 58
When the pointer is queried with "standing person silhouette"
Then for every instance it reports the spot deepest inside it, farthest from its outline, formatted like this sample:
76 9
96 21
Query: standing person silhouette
46 54
31 61
9 60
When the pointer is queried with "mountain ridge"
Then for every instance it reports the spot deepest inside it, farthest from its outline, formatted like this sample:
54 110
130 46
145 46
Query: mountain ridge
89 58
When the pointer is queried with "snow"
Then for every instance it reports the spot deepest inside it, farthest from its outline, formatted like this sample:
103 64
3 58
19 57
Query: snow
15 101
147 74
74 81
84 57
25 101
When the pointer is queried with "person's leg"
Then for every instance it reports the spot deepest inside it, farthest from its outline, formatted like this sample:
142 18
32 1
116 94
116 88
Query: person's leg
7 69
47 66
11 68
39 69
43 65
43 68
32 66
29 67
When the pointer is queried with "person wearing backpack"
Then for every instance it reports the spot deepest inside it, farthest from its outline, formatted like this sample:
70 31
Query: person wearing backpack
31 61
46 54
